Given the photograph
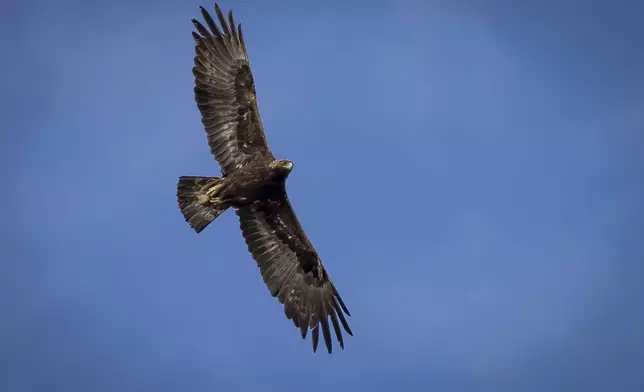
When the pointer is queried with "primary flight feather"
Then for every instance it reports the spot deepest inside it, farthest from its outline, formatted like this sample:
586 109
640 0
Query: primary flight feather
253 184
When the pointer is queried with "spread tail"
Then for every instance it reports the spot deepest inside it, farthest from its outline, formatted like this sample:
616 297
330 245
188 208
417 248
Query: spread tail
196 206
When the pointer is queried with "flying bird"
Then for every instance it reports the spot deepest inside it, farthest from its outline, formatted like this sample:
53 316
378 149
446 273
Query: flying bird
253 183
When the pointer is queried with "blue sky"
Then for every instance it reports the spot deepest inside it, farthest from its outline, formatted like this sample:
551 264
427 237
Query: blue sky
470 173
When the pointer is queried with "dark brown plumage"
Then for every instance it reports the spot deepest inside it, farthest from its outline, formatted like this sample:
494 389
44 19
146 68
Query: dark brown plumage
253 183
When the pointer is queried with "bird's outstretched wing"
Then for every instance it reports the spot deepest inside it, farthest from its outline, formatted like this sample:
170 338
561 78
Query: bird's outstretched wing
292 269
225 93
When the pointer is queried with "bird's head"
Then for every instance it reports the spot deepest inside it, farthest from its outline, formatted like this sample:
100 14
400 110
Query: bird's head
283 166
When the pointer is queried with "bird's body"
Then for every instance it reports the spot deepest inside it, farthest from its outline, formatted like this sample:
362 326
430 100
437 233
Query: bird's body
253 183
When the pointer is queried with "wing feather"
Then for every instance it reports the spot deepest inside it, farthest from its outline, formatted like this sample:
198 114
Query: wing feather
292 270
225 93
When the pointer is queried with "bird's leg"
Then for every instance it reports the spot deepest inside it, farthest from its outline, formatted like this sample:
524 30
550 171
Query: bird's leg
231 200
209 194
214 189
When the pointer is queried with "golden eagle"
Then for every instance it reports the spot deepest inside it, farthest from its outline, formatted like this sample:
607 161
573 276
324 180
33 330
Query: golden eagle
253 183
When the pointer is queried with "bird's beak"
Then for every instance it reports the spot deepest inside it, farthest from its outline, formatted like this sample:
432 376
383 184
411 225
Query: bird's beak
288 165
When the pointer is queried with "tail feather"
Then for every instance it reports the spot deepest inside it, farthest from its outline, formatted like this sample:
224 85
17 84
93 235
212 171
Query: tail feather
198 211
